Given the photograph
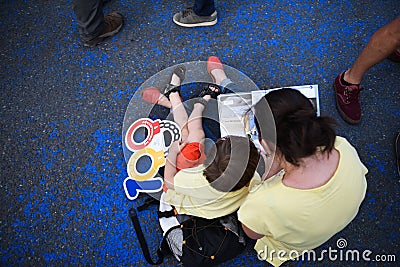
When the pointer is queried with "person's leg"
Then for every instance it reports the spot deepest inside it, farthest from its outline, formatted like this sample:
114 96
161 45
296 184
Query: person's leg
347 87
195 127
195 121
382 43
204 7
179 113
193 154
93 26
89 14
202 13
173 92
218 75
154 96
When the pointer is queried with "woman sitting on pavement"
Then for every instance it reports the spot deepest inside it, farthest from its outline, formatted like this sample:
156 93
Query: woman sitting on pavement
315 184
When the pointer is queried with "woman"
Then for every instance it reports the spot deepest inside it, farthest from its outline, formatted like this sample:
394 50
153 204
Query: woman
315 184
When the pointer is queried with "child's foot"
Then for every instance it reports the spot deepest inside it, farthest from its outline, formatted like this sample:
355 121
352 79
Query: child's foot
216 70
209 91
177 77
154 96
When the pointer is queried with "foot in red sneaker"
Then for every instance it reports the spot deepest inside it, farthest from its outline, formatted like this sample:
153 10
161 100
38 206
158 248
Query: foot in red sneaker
154 96
348 100
213 63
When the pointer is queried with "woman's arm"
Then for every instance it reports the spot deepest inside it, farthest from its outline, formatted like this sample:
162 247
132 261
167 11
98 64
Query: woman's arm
251 233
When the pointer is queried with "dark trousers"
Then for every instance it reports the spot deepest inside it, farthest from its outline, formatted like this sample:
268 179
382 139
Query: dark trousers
204 7
89 14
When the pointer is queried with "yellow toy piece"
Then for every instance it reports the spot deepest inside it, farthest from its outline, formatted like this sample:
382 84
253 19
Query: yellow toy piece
157 161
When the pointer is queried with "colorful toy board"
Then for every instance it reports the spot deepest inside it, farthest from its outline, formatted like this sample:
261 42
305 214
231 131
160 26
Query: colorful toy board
149 141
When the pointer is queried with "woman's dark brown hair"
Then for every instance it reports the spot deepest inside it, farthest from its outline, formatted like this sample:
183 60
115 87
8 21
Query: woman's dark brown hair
234 164
299 131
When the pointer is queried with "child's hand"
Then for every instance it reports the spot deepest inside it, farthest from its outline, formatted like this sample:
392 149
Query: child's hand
176 147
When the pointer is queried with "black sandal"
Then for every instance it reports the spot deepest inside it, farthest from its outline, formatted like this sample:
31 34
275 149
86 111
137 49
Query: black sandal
199 100
207 91
170 88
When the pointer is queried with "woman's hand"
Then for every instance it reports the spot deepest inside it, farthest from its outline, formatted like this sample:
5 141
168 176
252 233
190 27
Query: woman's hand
176 147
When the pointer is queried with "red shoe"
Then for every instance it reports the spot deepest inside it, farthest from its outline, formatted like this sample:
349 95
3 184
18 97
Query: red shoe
213 63
151 95
348 100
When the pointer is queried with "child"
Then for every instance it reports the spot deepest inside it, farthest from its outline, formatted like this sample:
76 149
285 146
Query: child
205 186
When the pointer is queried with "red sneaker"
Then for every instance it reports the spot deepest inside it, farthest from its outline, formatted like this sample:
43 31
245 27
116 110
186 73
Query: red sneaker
151 95
213 63
348 100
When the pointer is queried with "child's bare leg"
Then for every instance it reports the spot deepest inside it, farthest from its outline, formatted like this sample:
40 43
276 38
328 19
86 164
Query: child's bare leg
176 81
178 110
179 113
154 96
163 101
195 122
195 126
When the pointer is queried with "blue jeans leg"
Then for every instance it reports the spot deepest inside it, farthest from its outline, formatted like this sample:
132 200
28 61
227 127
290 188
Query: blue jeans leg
204 7
230 87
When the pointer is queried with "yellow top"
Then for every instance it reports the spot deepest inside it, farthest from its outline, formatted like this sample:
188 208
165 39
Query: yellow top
193 195
295 220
